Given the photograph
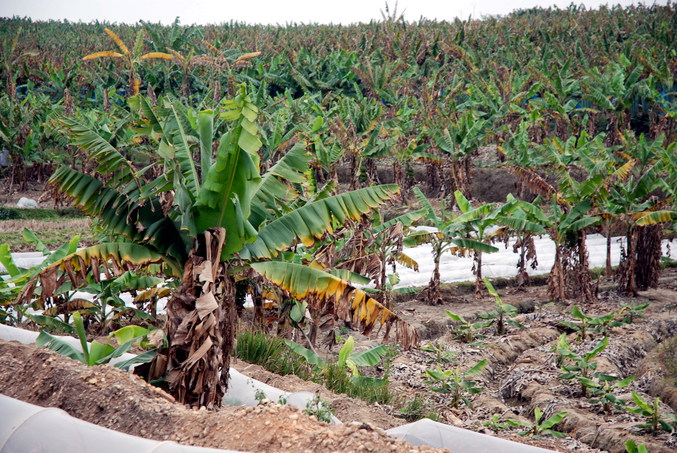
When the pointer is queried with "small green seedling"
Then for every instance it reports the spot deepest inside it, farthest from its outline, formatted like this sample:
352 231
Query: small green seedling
629 313
503 314
602 388
632 447
580 366
442 355
496 424
465 330
654 420
588 324
455 382
540 428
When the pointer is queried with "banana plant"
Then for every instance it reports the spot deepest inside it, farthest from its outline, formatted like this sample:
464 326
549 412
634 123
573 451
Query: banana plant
540 427
348 360
524 221
473 226
455 382
458 142
98 353
204 222
504 312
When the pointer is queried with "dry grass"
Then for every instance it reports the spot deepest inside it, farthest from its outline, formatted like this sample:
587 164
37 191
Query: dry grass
16 226
52 233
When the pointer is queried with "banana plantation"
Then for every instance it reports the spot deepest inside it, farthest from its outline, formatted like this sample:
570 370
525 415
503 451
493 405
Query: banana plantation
255 194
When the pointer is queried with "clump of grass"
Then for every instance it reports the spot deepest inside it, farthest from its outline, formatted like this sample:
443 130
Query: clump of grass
416 409
12 213
271 353
337 380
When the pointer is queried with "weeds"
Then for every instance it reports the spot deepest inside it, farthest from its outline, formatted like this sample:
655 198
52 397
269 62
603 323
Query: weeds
416 409
319 409
271 353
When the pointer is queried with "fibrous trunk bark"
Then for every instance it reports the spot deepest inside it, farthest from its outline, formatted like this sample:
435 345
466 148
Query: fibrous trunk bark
649 251
583 281
556 277
200 327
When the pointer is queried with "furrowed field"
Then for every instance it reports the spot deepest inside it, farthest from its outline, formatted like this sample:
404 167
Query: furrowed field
265 197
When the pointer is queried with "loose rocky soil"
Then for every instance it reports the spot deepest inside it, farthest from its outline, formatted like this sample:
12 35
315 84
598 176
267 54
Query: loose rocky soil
121 401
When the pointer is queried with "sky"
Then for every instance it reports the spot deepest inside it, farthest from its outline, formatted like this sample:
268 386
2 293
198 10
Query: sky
273 11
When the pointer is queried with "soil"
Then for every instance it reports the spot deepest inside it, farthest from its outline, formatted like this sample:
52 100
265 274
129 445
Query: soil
121 401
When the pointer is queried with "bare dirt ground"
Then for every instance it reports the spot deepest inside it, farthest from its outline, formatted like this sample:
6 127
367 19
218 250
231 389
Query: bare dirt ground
121 401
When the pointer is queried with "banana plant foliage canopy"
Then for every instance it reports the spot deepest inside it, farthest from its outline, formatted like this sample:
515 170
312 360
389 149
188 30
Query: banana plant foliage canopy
155 221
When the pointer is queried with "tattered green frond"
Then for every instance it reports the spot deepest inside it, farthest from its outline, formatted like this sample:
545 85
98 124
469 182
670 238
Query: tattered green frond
276 182
109 160
112 258
313 220
475 245
119 215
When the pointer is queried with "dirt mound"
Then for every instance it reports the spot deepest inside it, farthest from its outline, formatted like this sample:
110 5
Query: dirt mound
121 401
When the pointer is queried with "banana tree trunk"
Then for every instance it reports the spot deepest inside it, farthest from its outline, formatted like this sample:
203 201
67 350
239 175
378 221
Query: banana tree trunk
478 274
649 250
607 230
629 267
583 269
200 327
434 297
556 277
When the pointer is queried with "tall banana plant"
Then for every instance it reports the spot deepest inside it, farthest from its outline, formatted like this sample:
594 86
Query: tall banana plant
203 223
452 234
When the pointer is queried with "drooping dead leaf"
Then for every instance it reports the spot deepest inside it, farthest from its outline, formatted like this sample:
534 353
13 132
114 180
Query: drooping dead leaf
206 304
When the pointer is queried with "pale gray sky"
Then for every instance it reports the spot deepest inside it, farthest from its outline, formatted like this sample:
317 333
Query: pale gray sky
271 11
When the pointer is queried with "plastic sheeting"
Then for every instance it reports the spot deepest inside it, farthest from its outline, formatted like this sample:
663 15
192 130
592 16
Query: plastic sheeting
25 427
458 440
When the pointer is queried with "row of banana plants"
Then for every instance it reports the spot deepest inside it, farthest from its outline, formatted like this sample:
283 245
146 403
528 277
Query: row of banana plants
385 92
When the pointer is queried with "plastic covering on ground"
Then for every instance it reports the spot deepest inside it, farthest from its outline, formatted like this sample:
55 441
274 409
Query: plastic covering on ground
458 440
58 432
502 264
